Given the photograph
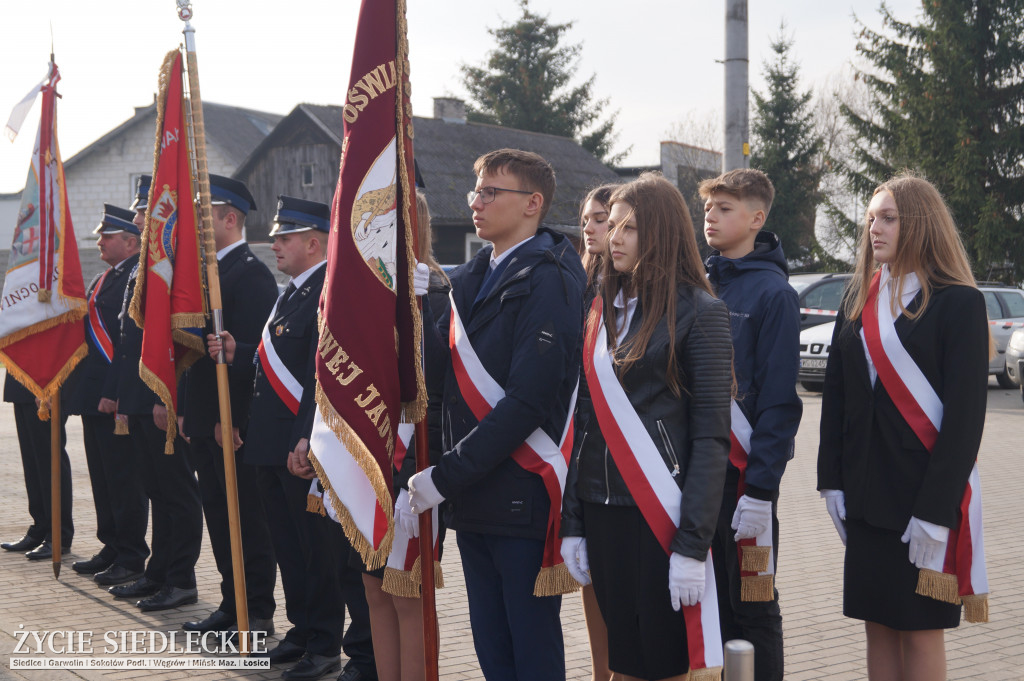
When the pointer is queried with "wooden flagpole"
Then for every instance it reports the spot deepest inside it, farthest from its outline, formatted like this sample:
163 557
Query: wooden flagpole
197 139
431 645
56 543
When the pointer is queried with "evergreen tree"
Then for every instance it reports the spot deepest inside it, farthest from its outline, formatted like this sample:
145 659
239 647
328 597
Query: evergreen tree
525 84
949 103
787 148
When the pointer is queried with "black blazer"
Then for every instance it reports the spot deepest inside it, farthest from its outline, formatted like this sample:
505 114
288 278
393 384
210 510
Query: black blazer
273 429
870 452
93 377
134 397
248 291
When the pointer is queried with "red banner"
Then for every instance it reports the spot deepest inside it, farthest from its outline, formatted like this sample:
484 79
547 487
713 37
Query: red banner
368 370
168 300
43 301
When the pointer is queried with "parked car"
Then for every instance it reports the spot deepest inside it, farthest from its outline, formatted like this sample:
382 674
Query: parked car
1005 310
815 342
819 300
1015 358
804 279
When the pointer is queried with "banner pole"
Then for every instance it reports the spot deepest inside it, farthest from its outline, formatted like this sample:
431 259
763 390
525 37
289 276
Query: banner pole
197 139
56 542
431 644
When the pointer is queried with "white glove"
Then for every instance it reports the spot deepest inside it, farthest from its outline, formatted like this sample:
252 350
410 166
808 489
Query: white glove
423 494
927 540
835 502
752 517
404 516
686 580
574 553
420 279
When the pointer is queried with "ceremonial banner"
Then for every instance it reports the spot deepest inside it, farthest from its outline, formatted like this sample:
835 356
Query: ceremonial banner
168 300
368 365
43 301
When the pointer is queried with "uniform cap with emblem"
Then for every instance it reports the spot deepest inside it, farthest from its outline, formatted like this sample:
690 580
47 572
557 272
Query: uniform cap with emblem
116 220
225 191
142 192
299 215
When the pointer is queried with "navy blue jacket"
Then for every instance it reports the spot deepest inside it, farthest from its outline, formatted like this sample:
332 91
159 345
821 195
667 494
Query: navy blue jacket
134 397
765 320
527 332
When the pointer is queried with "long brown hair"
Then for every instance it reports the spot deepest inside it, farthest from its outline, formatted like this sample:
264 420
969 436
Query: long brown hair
928 245
591 262
667 258
426 235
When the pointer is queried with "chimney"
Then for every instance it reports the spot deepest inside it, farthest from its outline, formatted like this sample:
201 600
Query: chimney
450 110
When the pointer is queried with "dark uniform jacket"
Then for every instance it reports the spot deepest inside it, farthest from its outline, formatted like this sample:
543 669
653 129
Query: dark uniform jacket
691 431
869 451
527 332
95 377
134 398
273 429
248 291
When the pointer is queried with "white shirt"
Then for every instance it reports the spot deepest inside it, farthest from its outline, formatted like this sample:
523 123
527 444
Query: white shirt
301 279
227 249
623 307
911 286
495 261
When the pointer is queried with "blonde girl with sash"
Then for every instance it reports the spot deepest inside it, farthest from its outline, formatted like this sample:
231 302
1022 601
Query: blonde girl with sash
902 418
652 441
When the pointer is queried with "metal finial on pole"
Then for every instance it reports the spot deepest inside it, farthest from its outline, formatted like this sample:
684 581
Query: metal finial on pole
184 10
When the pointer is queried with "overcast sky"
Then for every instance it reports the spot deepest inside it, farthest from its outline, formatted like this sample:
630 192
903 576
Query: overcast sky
657 60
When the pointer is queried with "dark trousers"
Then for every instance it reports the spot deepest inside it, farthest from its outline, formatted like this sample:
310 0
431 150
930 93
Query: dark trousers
517 636
173 492
759 622
34 440
309 572
257 548
122 512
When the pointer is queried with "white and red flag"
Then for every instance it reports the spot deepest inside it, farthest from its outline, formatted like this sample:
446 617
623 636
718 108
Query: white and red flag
43 301
368 366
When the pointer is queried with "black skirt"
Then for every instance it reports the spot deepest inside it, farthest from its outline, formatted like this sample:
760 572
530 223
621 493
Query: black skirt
879 583
646 637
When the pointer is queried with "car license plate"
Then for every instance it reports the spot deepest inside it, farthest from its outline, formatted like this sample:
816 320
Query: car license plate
813 363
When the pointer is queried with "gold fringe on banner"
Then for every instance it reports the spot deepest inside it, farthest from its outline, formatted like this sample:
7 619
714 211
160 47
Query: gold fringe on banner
120 425
399 583
757 588
417 575
44 295
938 585
755 558
164 393
372 558
44 393
706 674
315 504
555 581
976 607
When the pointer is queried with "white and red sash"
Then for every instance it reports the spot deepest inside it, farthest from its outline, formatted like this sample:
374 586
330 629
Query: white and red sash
539 454
958 574
652 487
757 559
285 385
97 329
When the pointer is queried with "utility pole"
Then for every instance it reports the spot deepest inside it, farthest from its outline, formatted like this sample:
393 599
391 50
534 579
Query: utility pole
737 146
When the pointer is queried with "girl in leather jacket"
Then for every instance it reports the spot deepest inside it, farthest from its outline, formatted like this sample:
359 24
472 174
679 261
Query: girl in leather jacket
671 351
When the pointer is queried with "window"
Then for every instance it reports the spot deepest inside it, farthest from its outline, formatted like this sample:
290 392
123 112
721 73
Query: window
1013 301
473 244
307 174
827 296
992 305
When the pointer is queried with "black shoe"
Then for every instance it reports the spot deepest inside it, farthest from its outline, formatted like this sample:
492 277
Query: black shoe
116 574
45 552
169 597
218 621
140 588
26 543
90 567
313 667
285 651
350 673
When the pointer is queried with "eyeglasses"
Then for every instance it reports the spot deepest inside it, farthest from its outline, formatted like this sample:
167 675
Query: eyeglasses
488 194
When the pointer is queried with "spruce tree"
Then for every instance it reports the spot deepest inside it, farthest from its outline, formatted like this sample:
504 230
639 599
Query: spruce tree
949 104
526 84
787 148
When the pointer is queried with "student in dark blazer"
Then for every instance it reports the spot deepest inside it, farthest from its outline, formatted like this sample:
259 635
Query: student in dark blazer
882 486
248 291
121 507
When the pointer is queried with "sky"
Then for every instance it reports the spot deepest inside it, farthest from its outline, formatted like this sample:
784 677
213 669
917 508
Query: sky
657 61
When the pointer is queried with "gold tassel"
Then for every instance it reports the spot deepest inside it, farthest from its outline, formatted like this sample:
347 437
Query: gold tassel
44 295
976 607
400 583
938 585
757 588
417 575
706 674
555 581
315 504
755 558
121 425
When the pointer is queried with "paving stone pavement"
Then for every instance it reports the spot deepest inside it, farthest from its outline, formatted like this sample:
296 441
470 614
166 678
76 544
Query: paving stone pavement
819 642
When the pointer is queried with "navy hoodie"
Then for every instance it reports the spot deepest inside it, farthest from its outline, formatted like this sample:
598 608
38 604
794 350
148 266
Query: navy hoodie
765 319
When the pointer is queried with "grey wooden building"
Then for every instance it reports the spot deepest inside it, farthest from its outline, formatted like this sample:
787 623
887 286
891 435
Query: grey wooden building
300 157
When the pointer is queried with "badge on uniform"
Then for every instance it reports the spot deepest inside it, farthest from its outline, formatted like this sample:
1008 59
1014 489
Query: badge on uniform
279 330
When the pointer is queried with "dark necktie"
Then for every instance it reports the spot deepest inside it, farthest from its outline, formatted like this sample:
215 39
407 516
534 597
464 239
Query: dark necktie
288 291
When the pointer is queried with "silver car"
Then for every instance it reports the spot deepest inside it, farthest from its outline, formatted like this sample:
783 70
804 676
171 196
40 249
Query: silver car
1005 313
1015 358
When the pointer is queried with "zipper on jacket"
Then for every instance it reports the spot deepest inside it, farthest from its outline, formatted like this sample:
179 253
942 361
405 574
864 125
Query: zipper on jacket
669 449
607 485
